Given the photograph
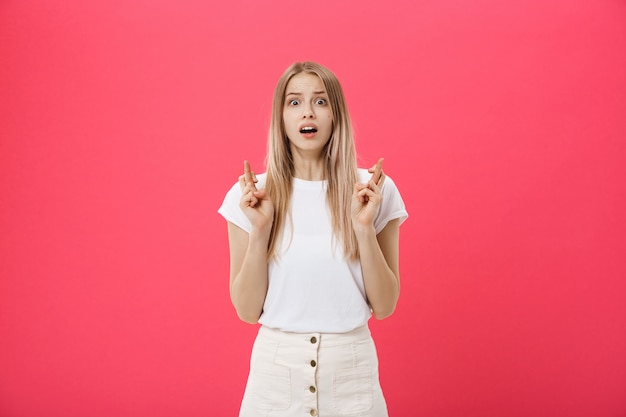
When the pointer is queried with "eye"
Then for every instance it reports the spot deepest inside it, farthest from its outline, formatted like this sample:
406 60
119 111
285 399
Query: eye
320 101
294 102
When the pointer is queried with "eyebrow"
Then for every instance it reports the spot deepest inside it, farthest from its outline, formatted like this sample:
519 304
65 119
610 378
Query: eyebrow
299 94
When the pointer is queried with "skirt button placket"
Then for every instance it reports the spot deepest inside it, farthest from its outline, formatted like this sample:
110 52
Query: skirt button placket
311 345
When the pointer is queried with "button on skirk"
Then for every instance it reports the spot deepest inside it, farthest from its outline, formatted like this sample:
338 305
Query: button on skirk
313 413
314 339
312 389
313 363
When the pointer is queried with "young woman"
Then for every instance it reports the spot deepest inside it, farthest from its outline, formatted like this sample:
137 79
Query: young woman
313 253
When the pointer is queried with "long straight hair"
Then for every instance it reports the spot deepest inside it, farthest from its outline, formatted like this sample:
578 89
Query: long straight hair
339 157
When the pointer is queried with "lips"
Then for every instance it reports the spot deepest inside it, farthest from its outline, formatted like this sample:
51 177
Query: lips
308 129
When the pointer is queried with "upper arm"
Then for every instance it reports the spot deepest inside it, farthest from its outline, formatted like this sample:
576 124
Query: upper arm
238 245
389 241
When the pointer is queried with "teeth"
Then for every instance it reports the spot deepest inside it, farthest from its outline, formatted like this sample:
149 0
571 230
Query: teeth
307 129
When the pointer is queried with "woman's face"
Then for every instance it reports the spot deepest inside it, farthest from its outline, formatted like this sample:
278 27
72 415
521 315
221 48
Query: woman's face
307 115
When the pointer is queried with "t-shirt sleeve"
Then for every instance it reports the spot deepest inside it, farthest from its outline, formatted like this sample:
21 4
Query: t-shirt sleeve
392 206
231 211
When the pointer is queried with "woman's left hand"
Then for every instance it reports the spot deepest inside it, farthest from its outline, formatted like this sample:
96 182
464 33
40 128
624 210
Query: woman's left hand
366 198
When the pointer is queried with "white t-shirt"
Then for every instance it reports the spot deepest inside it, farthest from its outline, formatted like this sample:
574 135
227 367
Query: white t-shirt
312 287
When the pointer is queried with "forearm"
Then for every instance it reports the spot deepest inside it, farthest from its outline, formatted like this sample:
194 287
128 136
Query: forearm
249 286
382 284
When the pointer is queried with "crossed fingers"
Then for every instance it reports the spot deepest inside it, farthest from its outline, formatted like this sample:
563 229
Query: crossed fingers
247 181
378 176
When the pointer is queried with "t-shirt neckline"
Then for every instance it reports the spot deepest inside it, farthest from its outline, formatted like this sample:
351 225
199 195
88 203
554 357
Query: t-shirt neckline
308 184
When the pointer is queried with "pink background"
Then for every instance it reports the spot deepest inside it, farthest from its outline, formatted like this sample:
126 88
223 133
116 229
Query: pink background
123 123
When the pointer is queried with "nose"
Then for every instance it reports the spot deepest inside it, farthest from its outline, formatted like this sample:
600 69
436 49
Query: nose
307 112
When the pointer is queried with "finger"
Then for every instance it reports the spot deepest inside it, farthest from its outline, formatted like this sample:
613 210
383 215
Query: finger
248 189
260 196
253 199
370 196
248 200
357 190
247 172
375 187
378 163
358 187
249 175
364 195
377 171
382 179
367 192
243 183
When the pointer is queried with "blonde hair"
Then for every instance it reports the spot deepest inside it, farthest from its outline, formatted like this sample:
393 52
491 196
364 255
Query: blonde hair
340 161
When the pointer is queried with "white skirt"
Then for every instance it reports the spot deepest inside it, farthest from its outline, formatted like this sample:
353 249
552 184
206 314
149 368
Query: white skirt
313 374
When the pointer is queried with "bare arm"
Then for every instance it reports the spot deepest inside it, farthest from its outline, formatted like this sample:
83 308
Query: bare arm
248 252
379 262
378 253
248 272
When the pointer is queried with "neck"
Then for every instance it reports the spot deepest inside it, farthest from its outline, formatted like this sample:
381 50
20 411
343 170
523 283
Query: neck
310 169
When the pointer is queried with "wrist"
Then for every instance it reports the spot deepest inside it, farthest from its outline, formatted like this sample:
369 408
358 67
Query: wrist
364 231
261 232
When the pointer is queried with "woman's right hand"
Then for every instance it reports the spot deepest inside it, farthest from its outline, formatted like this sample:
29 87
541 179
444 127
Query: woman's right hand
256 204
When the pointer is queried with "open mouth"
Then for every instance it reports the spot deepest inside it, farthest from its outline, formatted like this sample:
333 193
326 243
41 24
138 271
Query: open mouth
308 129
